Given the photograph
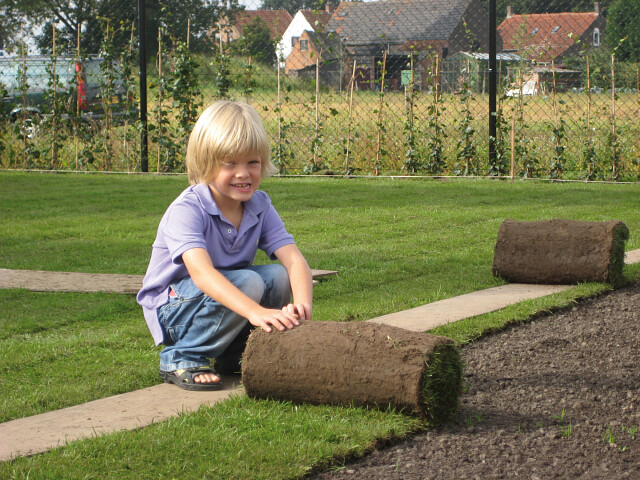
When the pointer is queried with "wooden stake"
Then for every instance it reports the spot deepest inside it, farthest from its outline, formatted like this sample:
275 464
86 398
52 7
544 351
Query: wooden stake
126 122
589 136
351 86
279 114
248 79
513 147
315 148
376 167
160 96
614 165
77 100
555 103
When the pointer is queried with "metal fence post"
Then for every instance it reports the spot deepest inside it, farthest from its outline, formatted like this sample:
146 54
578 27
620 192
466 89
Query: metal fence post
144 140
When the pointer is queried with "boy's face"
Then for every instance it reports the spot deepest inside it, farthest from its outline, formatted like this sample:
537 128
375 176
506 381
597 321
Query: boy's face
237 179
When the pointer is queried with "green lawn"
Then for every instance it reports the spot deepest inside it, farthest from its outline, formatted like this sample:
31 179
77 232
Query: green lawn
396 243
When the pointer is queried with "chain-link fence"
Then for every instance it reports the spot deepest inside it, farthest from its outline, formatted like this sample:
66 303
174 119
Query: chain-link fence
391 87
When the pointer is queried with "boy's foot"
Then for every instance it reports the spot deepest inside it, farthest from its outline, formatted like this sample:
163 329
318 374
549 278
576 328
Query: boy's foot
196 378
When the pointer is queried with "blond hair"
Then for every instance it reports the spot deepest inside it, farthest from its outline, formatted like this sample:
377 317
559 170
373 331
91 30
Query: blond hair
226 130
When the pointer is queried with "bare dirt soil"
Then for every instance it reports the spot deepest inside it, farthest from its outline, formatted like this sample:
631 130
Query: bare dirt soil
556 398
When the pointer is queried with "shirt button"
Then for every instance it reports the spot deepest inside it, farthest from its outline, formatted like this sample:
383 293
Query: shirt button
229 231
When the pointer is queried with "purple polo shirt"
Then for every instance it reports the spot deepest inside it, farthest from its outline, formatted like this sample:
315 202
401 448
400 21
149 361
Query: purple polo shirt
193 220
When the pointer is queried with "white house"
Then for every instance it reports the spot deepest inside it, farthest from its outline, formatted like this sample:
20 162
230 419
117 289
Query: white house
311 20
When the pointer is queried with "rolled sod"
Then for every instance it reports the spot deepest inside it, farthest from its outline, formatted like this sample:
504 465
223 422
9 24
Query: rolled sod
355 364
560 252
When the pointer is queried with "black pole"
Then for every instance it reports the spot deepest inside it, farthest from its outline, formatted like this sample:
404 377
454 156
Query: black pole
493 90
144 138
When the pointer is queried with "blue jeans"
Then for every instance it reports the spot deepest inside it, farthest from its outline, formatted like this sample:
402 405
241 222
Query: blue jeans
197 328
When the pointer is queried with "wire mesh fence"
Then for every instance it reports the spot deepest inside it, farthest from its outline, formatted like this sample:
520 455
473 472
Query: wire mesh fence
374 88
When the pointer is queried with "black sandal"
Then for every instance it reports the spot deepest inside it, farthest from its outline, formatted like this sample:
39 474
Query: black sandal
184 378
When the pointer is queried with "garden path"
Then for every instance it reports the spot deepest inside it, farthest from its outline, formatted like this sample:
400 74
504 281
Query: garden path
136 409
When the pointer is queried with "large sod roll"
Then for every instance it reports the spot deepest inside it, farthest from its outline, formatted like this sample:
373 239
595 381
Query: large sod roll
560 251
360 364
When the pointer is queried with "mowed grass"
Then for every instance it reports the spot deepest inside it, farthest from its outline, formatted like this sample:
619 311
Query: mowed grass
396 243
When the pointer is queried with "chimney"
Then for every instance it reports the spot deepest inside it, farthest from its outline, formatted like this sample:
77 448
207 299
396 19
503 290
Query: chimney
328 7
509 11
596 7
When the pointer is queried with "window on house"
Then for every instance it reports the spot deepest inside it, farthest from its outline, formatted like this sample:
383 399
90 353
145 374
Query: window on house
596 37
304 45
555 29
294 41
535 30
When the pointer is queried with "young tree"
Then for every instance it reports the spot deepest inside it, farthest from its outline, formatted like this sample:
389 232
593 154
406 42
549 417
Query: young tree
256 41
292 6
623 29
87 16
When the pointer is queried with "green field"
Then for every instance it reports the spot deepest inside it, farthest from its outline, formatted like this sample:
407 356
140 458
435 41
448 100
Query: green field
396 244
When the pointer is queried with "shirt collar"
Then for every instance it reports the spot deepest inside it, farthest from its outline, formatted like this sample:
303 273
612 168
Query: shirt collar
258 202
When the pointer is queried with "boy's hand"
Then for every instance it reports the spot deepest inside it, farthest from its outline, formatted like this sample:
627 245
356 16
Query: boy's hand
266 318
302 311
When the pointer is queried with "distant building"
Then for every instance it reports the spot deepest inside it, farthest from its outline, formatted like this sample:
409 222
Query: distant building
429 29
547 37
320 50
232 28
303 20
473 69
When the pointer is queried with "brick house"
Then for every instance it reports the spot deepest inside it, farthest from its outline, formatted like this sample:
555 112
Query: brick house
303 20
426 28
276 20
547 37
323 49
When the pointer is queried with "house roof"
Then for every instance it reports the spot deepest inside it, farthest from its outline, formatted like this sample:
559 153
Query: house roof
327 44
545 35
276 20
396 21
313 16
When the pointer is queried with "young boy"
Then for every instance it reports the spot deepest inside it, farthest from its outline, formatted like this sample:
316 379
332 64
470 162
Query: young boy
201 295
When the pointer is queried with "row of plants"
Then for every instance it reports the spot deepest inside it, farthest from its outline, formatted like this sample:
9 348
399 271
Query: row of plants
591 135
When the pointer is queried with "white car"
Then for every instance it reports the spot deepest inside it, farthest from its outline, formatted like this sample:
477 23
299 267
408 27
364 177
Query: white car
530 87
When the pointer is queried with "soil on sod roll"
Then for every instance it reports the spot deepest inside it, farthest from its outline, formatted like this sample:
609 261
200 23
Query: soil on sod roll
557 398
361 364
560 251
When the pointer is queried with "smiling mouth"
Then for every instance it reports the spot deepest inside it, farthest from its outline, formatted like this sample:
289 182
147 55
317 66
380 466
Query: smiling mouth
242 186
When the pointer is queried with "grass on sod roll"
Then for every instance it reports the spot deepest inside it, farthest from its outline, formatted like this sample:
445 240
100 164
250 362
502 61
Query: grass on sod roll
442 384
616 265
396 243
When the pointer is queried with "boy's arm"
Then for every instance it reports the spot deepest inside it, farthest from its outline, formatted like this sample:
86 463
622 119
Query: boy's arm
216 285
301 281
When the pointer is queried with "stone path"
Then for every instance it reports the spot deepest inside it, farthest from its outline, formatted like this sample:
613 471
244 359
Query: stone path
133 410
44 281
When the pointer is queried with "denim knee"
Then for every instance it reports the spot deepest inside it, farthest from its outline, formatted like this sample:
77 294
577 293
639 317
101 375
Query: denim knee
248 282
277 285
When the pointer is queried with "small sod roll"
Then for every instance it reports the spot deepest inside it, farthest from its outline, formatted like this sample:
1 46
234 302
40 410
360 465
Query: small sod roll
560 252
359 364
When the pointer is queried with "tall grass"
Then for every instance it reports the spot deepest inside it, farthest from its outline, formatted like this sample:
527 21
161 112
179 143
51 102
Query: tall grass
315 117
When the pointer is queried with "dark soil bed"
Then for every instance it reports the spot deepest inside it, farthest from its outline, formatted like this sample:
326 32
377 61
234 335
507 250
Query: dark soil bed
557 398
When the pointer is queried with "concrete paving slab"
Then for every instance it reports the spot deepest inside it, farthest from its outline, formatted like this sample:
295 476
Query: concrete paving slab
44 281
632 256
128 411
431 315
